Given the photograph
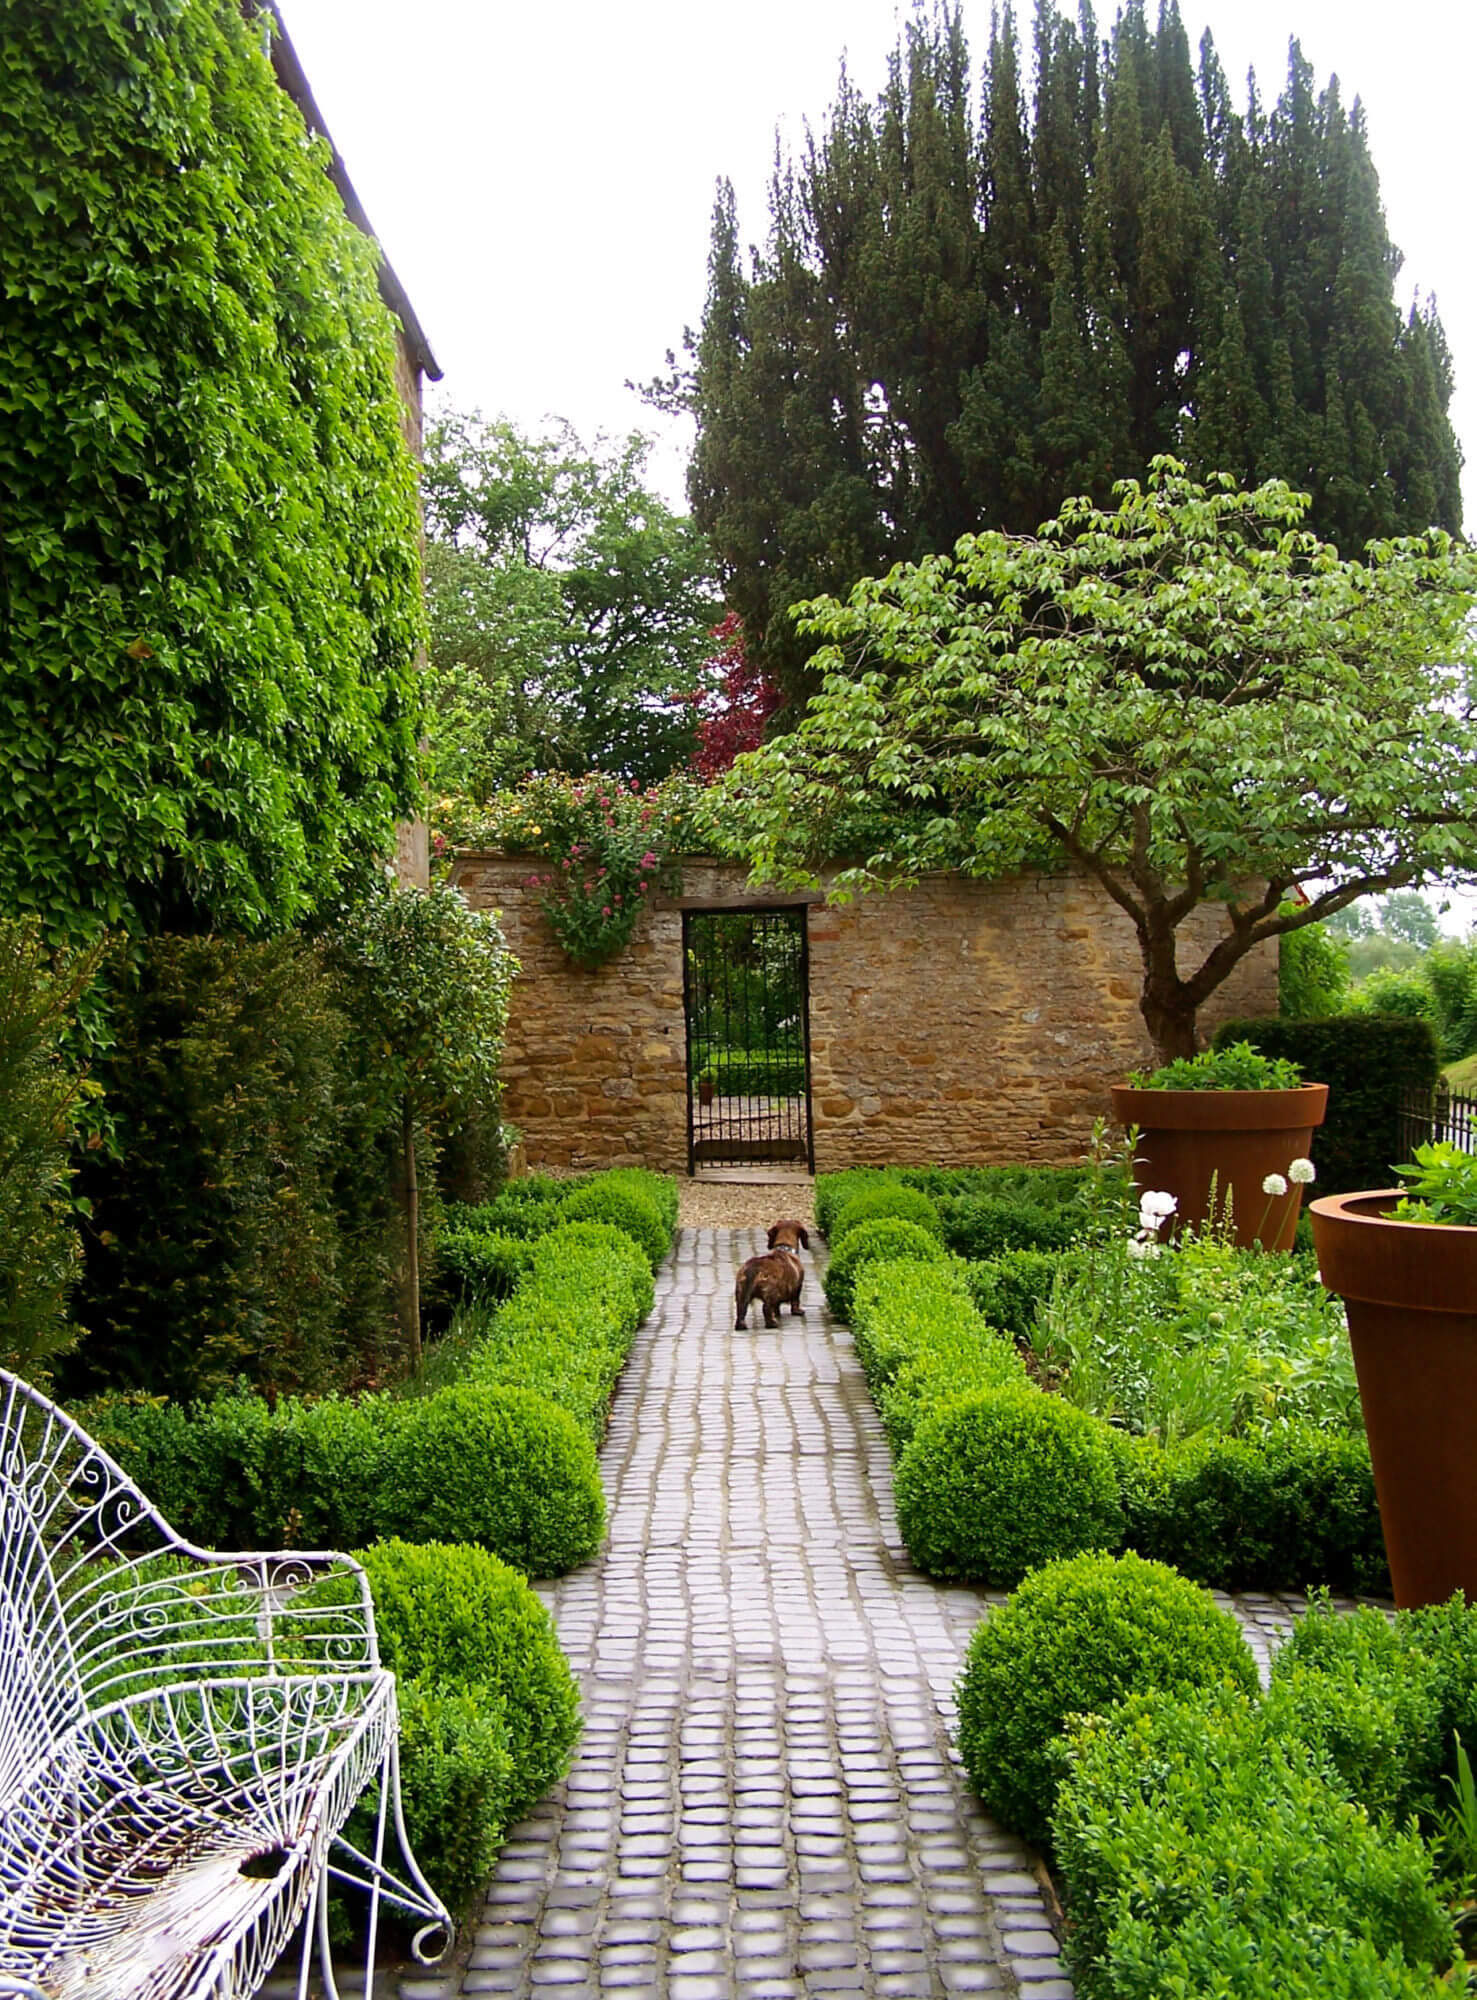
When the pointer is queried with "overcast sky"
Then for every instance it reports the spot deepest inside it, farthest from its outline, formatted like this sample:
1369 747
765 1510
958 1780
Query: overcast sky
542 176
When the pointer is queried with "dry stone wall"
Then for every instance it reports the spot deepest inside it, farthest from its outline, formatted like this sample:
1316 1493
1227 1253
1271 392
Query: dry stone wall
957 1023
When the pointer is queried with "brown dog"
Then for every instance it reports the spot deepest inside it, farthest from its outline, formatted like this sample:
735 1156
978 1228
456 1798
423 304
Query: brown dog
788 1236
775 1279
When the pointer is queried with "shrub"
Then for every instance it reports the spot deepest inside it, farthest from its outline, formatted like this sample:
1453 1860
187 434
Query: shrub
921 1341
524 1209
995 1483
41 1096
868 1243
600 1201
1370 1063
833 1191
984 1226
475 1264
1278 1512
502 1467
1009 1289
1076 1638
602 1262
1035 1187
459 1617
895 1200
659 1189
1206 1852
457 1782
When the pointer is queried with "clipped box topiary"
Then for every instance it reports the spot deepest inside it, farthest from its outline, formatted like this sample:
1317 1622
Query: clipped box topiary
871 1242
599 1201
995 1483
504 1468
1078 1636
891 1199
460 1616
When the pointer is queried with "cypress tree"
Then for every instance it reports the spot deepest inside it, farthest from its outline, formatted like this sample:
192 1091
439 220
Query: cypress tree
973 302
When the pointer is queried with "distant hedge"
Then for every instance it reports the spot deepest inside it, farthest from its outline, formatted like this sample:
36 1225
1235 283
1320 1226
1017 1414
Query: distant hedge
1369 1062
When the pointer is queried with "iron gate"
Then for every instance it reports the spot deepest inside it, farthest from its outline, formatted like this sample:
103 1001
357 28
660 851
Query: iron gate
746 989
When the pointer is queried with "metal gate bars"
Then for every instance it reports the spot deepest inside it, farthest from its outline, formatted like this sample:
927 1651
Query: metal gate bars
746 990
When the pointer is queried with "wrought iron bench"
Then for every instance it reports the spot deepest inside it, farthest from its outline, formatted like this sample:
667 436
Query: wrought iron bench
182 1738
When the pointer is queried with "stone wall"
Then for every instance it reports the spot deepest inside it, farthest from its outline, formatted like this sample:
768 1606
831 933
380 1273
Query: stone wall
959 1022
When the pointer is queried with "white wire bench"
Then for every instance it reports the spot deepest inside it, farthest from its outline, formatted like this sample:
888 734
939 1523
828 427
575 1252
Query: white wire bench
183 1736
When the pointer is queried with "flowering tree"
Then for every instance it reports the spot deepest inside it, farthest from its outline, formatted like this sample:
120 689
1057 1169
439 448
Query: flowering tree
1188 697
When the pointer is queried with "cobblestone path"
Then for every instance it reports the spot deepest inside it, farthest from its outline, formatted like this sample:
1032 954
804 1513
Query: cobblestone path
765 1802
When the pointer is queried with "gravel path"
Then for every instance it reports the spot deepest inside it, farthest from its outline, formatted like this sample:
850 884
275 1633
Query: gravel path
746 1204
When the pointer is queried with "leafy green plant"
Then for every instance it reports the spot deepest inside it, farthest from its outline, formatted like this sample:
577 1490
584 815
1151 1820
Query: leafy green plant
1233 1066
893 1200
888 1236
996 1482
1076 1638
626 1209
1442 1183
212 604
457 1781
921 1342
1011 1288
477 1264
983 1227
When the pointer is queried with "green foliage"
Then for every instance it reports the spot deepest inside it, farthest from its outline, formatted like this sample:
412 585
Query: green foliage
1400 992
893 1199
889 1237
986 1226
479 1264
1011 1288
457 1779
1024 1187
1266 1877
460 1618
502 1467
238 1222
1369 1064
1441 1184
570 609
523 1209
210 607
1075 1639
41 1104
766 1072
968 308
626 1209
834 1191
1226 1066
1312 974
1201 1337
1182 696
921 1342
995 1483
658 1189
1279 1512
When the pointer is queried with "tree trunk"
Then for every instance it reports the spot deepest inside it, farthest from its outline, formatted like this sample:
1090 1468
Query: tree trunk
410 1295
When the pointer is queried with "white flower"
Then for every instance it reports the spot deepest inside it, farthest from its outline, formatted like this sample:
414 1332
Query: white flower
1274 1184
1154 1206
1140 1249
1302 1171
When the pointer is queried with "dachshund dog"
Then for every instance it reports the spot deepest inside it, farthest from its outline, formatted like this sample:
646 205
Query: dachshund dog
775 1277
791 1236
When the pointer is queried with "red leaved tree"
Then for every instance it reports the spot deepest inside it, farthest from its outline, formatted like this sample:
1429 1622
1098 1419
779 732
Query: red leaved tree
732 714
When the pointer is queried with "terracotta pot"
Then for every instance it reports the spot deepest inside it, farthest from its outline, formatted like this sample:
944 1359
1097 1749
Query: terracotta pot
705 1090
1410 1290
1237 1136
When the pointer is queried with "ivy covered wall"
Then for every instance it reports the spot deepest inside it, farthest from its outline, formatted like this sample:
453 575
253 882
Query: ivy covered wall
209 586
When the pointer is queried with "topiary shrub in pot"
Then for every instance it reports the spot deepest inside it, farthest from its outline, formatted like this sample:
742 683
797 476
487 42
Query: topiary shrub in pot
1077 1637
995 1483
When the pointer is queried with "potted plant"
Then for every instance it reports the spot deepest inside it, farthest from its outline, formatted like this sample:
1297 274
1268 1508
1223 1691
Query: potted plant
705 1084
1220 1130
1404 1261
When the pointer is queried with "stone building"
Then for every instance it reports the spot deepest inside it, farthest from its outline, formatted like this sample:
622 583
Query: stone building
958 1023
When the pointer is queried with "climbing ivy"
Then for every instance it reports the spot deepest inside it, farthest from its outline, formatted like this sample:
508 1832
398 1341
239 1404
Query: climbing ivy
209 595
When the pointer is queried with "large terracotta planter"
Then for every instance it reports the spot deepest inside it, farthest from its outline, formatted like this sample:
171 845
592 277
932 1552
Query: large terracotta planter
1410 1290
1237 1136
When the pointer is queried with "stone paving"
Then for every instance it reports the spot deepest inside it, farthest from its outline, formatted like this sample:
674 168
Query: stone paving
765 1802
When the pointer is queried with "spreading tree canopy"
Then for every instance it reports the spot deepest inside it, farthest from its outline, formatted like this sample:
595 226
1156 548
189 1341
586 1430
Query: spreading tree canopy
1189 696
209 580
570 609
971 306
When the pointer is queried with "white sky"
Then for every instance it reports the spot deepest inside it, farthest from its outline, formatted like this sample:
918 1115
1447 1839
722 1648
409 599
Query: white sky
542 176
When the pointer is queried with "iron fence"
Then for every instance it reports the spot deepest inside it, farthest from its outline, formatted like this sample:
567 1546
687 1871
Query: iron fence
1428 1116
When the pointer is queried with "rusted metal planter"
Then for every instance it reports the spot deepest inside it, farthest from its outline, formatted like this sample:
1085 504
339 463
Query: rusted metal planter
1410 1290
1236 1136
